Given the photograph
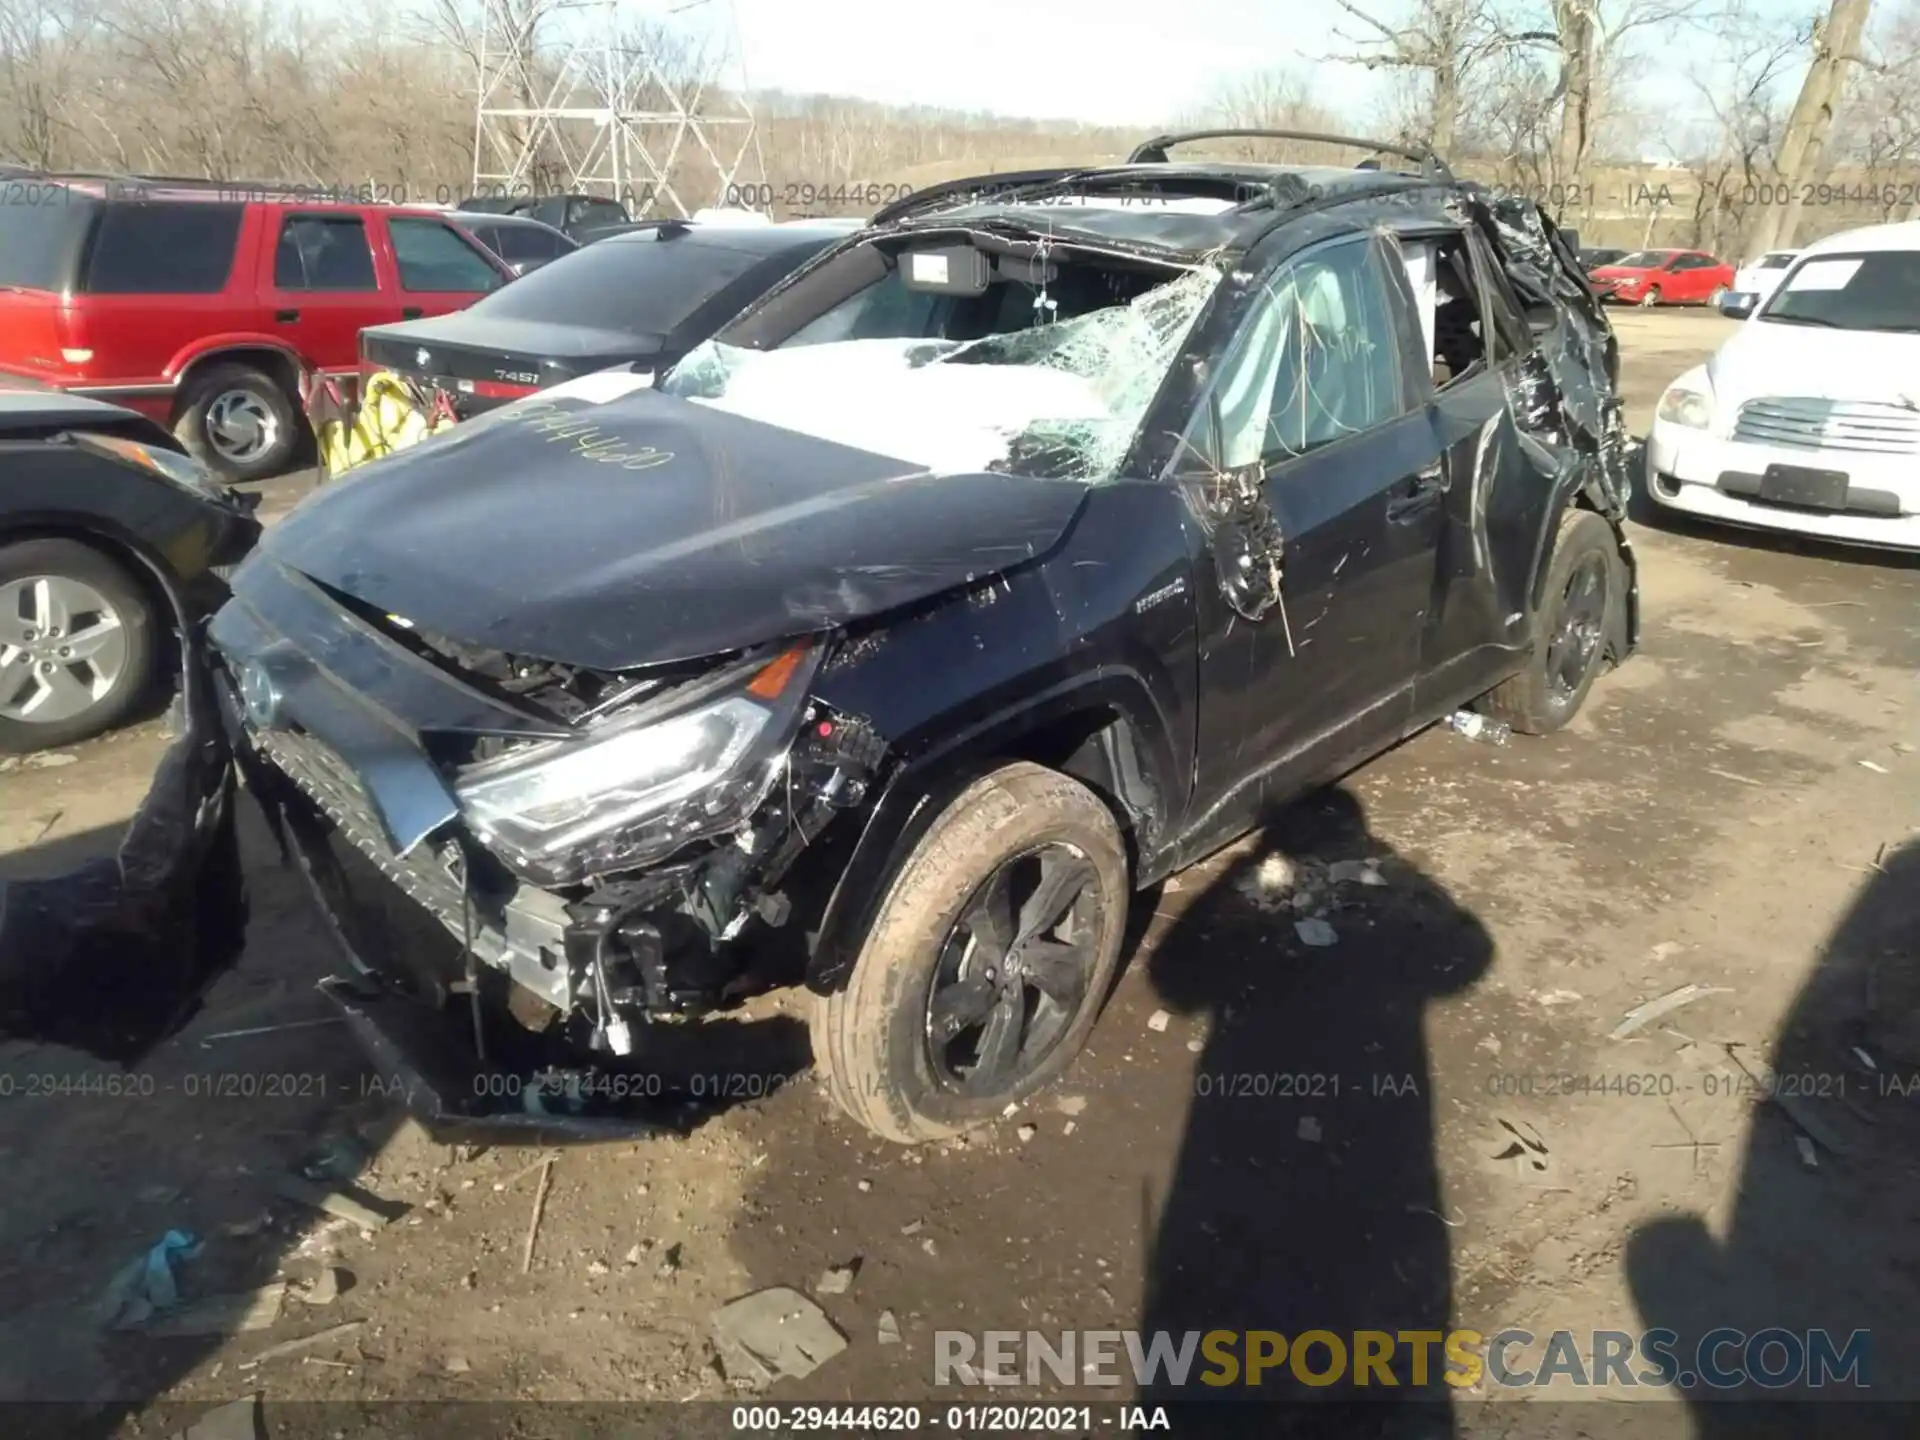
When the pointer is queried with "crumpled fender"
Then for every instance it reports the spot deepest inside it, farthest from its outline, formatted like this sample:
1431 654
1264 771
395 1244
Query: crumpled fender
114 957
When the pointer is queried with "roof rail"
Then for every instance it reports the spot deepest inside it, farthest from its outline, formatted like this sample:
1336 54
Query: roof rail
1154 151
1000 183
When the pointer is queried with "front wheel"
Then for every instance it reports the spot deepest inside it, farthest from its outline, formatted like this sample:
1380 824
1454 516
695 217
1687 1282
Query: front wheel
1651 298
987 962
1719 294
1585 586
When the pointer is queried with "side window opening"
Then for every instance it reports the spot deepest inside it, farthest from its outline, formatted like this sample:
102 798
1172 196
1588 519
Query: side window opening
162 248
323 252
1459 339
433 258
1319 360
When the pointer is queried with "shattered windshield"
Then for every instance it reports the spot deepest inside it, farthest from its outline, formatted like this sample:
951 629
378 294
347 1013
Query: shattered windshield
1053 398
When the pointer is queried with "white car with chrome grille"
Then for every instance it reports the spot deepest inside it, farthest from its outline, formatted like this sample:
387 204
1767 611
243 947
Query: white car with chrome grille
1808 418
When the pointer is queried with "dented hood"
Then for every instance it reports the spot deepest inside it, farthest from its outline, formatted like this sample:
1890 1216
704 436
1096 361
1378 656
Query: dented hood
643 529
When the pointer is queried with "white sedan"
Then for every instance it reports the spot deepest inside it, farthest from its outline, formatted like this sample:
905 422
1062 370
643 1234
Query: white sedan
1761 277
1808 418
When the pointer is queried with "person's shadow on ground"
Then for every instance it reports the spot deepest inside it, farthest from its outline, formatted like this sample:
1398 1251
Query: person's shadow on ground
1805 1245
1306 1195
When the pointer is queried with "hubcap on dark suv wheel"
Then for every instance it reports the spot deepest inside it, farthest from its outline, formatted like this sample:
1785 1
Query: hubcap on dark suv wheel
241 427
62 648
1581 626
1014 971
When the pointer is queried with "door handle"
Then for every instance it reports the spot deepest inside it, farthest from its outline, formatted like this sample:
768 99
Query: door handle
1419 494
285 317
411 312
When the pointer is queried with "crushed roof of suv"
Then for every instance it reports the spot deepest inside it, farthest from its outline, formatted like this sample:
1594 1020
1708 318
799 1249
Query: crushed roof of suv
1153 202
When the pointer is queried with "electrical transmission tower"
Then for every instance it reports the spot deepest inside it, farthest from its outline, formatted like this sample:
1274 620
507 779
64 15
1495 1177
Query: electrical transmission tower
620 98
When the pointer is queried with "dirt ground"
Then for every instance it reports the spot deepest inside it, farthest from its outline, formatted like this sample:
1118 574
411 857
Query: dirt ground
1736 809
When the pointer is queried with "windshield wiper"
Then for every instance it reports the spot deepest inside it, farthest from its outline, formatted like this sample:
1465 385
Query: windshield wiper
1805 320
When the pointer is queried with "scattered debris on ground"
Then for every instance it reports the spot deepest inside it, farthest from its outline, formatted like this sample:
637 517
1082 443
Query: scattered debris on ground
773 1334
838 1280
146 1285
1643 1015
1797 1109
333 1202
329 1285
207 1042
1316 932
305 1342
223 1314
539 1209
1482 728
236 1420
1528 1148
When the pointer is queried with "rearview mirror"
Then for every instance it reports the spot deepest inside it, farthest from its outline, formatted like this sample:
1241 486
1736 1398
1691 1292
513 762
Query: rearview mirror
1739 304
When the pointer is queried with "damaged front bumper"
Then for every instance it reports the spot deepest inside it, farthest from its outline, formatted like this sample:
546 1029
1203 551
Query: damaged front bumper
483 998
114 957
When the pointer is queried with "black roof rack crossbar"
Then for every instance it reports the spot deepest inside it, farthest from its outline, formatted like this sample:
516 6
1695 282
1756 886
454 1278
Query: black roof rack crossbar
1001 184
1154 151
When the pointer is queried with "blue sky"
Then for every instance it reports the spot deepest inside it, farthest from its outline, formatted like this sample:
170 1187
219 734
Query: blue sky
1127 62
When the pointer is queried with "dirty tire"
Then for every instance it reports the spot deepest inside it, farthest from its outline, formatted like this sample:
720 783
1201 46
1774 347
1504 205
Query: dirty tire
107 578
870 1038
1651 298
219 382
1531 702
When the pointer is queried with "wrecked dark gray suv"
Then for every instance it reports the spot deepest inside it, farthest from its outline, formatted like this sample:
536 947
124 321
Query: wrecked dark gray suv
1015 553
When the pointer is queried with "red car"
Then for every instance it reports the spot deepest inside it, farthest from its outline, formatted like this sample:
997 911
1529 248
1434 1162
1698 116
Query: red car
1664 277
198 305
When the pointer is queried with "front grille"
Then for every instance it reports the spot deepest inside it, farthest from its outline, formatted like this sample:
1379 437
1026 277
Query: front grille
1861 426
331 784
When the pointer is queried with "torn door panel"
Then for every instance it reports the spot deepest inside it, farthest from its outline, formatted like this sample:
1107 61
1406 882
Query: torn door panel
1581 356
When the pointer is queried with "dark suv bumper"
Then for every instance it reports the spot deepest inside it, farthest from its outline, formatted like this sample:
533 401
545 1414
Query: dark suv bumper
115 957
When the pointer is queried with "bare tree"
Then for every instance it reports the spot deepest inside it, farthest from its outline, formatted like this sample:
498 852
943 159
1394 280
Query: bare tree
1731 157
1880 123
1446 41
39 45
1836 46
1591 41
1277 98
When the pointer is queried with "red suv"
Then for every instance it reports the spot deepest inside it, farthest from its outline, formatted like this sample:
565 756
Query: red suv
198 304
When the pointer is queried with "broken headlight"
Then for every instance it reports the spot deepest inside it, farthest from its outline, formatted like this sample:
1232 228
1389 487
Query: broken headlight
692 763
